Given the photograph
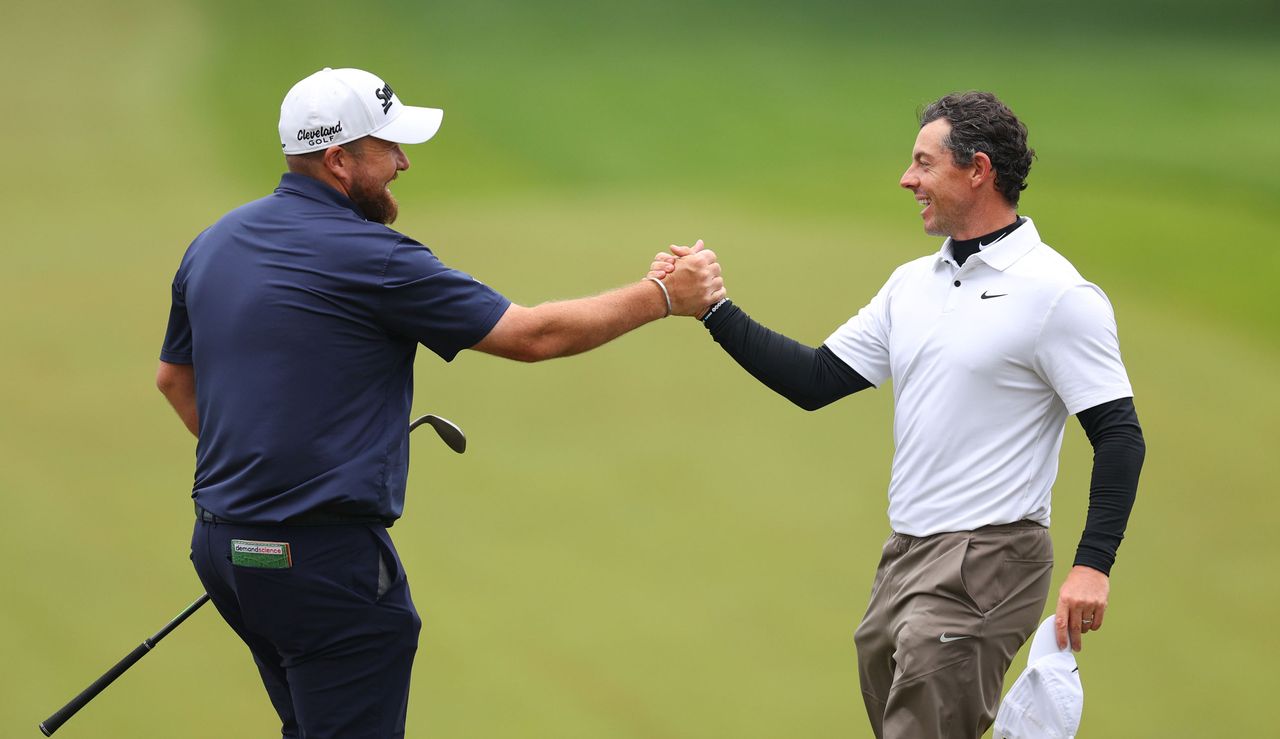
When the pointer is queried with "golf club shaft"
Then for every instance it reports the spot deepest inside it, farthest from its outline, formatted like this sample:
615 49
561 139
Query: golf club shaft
59 717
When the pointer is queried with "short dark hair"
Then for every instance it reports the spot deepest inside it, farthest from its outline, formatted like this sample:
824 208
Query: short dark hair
981 123
303 162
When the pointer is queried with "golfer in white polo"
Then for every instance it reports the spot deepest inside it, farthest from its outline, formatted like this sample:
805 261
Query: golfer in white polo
990 344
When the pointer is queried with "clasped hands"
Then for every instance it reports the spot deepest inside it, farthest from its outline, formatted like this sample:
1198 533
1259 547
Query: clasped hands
691 276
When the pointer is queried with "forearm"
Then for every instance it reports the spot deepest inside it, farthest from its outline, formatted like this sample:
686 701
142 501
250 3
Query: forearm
807 376
575 326
1118 453
177 382
568 327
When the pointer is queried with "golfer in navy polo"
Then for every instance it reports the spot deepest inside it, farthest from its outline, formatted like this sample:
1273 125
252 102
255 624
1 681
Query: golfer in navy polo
289 353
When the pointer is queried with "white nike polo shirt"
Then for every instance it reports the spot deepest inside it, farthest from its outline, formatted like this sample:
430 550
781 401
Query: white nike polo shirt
987 361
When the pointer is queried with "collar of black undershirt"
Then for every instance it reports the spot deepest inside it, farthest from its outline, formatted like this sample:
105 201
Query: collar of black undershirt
962 250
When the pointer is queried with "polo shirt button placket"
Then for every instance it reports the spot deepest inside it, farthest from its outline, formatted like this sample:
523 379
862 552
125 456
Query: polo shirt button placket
952 295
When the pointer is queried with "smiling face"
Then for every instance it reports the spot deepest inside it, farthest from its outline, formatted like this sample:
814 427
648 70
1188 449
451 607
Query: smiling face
376 163
943 189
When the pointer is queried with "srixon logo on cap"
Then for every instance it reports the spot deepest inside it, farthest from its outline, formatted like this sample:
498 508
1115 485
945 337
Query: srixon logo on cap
320 136
385 96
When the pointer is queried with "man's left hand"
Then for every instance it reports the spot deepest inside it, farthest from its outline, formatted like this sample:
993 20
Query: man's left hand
664 263
1082 601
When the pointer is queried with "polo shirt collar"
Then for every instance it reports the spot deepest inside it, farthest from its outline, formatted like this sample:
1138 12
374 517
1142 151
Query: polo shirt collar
1002 254
313 189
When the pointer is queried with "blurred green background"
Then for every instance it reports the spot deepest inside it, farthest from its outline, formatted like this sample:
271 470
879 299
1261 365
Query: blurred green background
642 541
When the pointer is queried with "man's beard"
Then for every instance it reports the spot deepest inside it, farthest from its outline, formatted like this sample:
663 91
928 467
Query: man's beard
375 201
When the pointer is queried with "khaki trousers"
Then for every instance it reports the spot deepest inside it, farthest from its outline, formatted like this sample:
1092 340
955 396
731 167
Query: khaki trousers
948 613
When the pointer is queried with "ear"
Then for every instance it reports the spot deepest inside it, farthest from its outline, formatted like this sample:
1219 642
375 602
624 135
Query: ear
338 162
980 170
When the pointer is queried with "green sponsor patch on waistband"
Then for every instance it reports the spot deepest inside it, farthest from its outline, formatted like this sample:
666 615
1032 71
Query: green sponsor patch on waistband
271 555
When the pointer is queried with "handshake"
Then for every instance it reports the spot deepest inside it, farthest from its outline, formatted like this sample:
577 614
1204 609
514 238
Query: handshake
690 279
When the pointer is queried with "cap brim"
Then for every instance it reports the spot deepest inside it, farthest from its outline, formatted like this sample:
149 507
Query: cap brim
412 126
1045 642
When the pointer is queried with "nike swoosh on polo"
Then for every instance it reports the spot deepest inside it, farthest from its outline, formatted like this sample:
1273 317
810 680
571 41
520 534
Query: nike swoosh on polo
984 295
945 639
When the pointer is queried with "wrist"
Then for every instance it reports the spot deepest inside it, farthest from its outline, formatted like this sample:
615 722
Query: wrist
666 296
711 311
1090 568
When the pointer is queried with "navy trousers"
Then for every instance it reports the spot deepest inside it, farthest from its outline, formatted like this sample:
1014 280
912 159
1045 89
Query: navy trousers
333 634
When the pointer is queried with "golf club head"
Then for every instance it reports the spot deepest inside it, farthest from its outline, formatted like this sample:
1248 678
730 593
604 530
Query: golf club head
448 431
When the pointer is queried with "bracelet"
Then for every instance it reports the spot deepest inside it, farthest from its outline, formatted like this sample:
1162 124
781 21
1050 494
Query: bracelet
713 310
665 294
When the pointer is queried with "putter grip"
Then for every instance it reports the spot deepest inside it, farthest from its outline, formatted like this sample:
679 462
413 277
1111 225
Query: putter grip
59 717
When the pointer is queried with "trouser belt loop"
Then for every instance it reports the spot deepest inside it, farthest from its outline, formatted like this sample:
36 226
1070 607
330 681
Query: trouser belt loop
206 517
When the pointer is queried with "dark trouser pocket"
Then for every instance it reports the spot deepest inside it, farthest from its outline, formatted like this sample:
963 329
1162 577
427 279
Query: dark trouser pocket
390 572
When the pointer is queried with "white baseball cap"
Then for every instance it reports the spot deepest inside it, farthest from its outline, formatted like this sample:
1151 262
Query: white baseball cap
1047 699
334 106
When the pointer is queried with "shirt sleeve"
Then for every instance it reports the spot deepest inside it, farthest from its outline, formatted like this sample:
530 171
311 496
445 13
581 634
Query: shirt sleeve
811 378
1118 451
177 337
1078 351
863 341
443 309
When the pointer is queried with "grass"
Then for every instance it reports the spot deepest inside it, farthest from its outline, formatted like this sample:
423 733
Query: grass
641 541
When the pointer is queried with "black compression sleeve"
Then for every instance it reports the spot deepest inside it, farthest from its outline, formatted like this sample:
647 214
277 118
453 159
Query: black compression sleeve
1118 451
808 377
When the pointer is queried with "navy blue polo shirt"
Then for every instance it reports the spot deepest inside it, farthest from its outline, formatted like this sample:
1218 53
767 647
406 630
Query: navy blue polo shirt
302 319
